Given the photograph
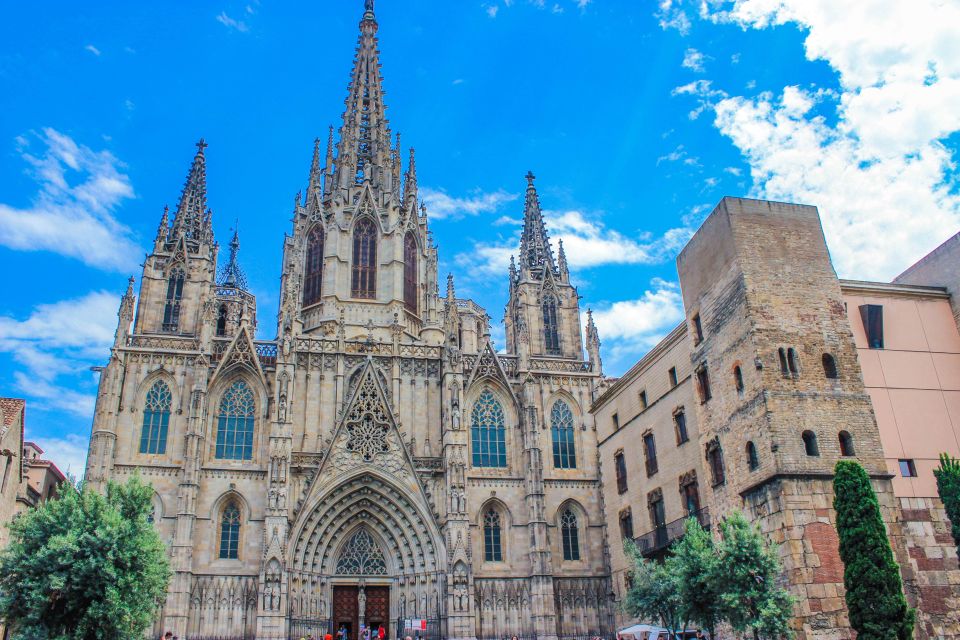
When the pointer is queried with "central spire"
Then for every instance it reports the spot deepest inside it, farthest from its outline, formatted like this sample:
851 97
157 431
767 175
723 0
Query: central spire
364 152
535 252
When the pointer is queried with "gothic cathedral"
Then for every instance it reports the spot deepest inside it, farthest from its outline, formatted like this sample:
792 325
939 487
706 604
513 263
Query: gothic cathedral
379 460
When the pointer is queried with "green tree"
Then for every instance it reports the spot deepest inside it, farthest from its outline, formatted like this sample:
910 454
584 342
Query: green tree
699 576
751 599
84 565
875 600
948 486
654 593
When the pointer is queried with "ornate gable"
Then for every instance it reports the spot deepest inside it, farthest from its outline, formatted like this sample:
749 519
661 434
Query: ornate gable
242 352
368 436
488 366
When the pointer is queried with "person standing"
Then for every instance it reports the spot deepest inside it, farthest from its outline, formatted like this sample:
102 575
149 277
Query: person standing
381 633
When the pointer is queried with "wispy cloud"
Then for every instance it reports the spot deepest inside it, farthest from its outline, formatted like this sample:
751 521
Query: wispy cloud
885 183
231 23
694 60
671 15
442 205
72 212
92 49
68 453
631 327
56 345
587 242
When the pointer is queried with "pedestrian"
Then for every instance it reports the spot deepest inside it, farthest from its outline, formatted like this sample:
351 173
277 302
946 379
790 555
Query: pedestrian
168 635
381 633
327 636
342 632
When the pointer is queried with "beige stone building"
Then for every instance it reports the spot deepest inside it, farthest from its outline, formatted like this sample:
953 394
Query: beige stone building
41 478
12 414
780 370
378 461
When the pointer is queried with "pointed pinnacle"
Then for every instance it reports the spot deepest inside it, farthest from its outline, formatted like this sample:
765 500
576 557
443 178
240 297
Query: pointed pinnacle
451 294
315 168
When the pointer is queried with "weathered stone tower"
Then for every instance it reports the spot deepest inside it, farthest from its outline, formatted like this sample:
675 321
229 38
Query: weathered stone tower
781 397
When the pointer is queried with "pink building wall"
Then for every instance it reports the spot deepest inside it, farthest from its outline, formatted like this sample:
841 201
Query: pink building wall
914 381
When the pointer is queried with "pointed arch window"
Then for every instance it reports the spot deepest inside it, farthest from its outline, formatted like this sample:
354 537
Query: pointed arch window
410 272
156 418
488 434
222 320
313 267
235 423
551 331
361 557
492 543
171 309
570 535
230 532
364 284
561 426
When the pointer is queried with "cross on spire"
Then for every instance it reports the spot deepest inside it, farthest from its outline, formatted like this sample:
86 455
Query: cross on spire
192 218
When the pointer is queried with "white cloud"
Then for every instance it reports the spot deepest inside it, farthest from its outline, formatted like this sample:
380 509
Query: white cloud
492 11
679 155
92 49
694 60
231 23
884 181
58 340
68 453
672 16
72 212
442 205
587 243
629 328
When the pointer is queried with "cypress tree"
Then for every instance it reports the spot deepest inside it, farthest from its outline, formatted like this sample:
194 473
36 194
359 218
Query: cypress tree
948 486
875 600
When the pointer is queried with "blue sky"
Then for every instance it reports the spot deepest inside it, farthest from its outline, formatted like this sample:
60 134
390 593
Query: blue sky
636 117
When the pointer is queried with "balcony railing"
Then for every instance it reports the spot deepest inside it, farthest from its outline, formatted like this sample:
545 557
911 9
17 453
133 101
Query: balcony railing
663 536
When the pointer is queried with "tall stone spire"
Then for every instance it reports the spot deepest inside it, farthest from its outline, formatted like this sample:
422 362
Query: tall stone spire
192 219
535 252
231 275
363 152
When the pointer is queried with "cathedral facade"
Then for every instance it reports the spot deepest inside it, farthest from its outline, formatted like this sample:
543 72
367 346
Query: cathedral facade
379 460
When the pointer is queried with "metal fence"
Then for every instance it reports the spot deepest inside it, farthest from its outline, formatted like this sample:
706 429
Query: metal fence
306 627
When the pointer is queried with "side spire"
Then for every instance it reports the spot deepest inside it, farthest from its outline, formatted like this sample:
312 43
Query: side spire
535 252
562 263
191 217
232 275
410 191
315 176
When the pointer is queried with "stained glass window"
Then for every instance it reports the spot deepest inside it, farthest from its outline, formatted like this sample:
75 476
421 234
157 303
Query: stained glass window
361 557
313 268
410 272
364 259
551 333
492 546
230 532
171 310
235 423
561 426
156 418
487 432
570 535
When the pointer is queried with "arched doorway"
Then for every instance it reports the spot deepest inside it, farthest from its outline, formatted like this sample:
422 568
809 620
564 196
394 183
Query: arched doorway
365 551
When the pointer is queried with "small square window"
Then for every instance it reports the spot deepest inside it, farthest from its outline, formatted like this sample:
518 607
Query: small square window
643 400
673 377
908 469
616 422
